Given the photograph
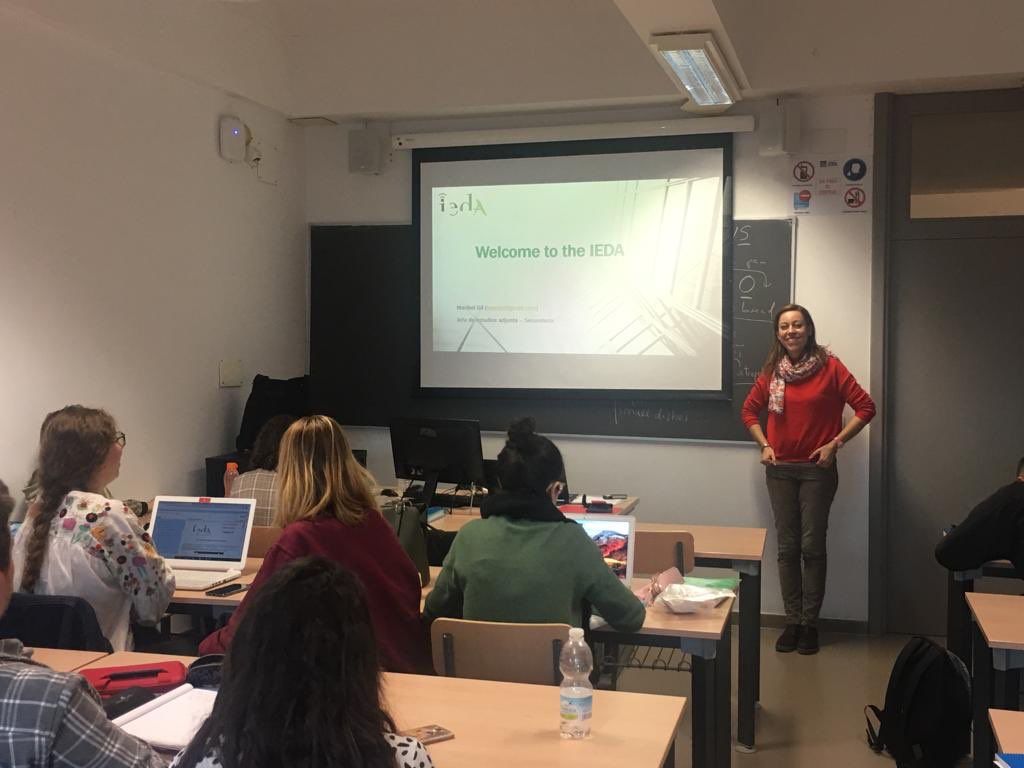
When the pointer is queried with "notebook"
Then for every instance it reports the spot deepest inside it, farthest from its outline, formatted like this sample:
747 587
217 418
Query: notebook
614 535
204 540
169 722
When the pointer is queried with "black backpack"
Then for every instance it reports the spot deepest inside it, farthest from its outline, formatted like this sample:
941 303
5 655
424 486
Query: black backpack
926 722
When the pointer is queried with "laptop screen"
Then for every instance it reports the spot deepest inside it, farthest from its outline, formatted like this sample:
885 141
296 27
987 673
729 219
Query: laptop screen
213 531
613 536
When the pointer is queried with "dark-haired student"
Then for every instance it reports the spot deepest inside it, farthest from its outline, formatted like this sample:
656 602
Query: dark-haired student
327 509
301 683
994 530
52 718
260 481
524 561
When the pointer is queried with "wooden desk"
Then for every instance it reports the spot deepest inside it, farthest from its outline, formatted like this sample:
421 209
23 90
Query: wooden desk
509 725
715 546
958 615
998 658
65 661
128 658
1008 728
707 639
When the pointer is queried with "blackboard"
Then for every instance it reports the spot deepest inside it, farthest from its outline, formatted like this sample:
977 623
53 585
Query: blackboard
364 342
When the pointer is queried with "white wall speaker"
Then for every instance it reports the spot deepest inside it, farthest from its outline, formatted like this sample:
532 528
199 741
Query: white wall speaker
365 151
233 139
778 129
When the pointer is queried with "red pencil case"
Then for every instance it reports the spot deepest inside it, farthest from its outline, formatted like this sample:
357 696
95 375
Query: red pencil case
158 677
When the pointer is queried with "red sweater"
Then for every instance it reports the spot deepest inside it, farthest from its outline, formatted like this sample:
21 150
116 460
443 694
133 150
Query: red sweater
812 411
372 552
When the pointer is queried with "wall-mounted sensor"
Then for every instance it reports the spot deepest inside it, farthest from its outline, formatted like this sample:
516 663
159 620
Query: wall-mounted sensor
234 136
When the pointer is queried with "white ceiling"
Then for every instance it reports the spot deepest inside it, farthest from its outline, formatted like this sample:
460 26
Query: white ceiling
410 58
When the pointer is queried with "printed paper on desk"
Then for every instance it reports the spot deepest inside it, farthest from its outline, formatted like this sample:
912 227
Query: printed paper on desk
170 721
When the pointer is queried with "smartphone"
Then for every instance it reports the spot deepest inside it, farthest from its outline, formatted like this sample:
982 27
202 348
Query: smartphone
428 734
227 589
614 496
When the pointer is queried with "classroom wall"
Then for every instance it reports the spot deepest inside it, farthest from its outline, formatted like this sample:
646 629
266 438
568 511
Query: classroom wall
699 482
134 258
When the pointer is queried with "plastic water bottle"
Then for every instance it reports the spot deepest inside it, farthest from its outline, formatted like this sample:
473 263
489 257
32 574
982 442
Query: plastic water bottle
577 695
229 477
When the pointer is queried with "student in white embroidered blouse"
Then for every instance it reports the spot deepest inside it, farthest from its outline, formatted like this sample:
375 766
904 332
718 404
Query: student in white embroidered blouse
77 541
301 682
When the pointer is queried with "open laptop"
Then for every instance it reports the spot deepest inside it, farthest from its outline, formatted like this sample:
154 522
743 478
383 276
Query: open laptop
204 540
615 536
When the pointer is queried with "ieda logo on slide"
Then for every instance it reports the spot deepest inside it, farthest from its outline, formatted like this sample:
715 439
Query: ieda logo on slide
467 204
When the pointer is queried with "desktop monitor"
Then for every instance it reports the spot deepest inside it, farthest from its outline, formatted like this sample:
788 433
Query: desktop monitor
359 454
437 450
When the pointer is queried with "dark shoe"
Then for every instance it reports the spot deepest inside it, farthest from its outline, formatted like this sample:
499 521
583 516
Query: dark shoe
808 644
789 639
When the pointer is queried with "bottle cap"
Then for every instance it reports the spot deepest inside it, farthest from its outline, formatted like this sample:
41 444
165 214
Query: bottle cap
233 465
575 633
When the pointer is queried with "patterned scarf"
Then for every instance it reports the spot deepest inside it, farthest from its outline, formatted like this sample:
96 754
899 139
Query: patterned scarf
787 370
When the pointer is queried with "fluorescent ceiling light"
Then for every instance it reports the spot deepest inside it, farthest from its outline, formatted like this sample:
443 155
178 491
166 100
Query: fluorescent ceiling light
695 62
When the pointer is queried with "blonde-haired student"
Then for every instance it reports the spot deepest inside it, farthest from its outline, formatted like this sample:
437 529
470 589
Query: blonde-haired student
326 508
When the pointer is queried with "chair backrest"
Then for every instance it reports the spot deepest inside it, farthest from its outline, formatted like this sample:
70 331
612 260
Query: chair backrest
491 650
658 550
53 621
261 539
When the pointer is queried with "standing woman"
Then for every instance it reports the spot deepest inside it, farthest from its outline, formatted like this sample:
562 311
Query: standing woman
805 387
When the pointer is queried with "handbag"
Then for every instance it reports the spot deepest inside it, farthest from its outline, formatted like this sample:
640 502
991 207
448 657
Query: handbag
406 519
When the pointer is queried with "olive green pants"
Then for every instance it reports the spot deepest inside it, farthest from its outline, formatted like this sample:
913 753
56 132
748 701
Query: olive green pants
801 496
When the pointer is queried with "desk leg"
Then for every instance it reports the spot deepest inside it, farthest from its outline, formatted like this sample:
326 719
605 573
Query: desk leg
982 700
958 617
749 658
670 756
703 712
722 713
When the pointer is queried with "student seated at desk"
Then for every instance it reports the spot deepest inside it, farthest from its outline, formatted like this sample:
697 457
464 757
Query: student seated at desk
47 717
326 508
30 492
79 542
260 481
301 682
524 561
994 530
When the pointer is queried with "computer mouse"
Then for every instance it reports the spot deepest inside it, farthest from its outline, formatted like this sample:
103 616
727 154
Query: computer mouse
388 492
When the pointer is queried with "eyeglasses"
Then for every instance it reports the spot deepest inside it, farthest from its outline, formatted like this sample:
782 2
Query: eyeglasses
120 439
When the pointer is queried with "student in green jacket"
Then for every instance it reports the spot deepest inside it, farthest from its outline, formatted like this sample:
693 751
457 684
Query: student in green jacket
524 561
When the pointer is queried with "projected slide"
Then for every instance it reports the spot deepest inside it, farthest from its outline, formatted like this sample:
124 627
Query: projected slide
568 282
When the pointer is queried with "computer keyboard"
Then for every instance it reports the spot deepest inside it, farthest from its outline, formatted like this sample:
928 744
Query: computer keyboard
200 580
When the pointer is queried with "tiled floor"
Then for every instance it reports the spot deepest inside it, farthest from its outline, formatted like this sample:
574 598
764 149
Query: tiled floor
811 712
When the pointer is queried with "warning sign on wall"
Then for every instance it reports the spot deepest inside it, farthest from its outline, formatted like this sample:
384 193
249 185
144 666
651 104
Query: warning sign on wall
830 184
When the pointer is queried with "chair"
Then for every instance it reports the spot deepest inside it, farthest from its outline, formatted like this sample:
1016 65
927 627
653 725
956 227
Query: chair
491 650
53 621
262 538
658 550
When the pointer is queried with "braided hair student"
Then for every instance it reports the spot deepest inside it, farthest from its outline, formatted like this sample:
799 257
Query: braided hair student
805 388
76 541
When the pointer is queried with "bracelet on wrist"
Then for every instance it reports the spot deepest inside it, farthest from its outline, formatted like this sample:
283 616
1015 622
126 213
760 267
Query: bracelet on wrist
766 445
